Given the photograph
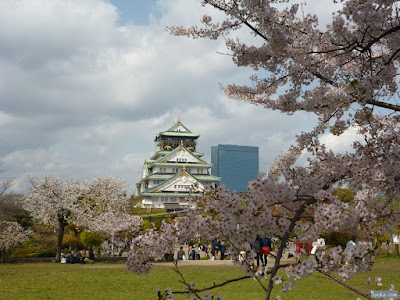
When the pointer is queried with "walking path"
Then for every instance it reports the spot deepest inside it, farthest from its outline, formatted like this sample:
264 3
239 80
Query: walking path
225 262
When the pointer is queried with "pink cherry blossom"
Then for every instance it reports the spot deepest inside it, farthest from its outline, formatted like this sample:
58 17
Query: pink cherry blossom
346 75
12 234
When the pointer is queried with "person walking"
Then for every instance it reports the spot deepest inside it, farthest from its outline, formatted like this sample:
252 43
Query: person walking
256 246
266 246
180 254
223 250
318 248
216 246
192 254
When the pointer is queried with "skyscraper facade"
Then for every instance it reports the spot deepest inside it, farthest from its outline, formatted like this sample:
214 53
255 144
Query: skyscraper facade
235 165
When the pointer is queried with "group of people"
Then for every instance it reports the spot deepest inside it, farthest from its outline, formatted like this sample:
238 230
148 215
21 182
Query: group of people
218 249
76 259
262 247
192 254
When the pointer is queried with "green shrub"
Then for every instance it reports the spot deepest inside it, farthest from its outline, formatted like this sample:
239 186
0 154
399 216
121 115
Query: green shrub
91 239
48 253
337 238
72 241
23 252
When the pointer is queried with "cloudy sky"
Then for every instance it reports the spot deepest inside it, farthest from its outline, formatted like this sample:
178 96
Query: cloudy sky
86 85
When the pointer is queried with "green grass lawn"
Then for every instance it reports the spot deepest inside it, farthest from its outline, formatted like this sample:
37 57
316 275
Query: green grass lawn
112 281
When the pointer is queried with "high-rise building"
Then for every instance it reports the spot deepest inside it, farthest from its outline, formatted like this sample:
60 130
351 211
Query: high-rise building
236 165
174 171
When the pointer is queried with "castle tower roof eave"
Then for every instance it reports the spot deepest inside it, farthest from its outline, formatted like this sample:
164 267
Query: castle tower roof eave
177 130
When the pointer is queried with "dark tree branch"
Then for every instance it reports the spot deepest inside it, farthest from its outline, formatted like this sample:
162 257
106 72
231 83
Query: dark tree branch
375 40
5 185
384 105
284 240
191 290
225 10
392 57
344 284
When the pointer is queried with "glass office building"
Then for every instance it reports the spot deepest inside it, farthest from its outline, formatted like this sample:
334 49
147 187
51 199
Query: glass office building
235 165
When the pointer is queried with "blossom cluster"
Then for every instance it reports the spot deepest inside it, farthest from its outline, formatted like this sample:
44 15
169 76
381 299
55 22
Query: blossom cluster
99 204
346 75
12 234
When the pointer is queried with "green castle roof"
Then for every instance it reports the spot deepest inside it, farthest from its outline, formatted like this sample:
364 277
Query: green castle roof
173 152
178 129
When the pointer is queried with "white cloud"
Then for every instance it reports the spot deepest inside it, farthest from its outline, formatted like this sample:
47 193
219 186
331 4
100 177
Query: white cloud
342 143
81 96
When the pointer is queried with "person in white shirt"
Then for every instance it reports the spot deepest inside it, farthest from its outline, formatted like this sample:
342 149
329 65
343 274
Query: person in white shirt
318 247
353 241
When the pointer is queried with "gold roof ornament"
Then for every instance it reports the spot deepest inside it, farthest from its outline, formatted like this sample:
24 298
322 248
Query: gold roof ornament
179 119
184 168
181 143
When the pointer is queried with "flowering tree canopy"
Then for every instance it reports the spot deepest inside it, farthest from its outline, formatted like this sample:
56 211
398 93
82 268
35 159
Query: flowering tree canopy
104 209
96 204
11 234
5 185
345 74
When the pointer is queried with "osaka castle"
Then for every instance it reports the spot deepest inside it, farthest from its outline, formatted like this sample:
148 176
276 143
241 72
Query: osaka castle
175 171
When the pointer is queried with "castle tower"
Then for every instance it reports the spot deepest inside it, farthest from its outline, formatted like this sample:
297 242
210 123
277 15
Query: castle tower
174 171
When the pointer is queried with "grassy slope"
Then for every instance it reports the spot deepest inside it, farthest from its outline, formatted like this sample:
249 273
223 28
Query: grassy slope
108 281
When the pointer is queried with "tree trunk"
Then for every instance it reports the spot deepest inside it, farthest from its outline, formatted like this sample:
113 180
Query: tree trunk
3 255
391 247
61 227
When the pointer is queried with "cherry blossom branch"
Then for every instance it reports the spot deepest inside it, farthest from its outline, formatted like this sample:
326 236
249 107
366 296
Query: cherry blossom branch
213 286
392 57
249 267
356 45
225 10
284 240
384 105
188 285
5 185
342 283
192 290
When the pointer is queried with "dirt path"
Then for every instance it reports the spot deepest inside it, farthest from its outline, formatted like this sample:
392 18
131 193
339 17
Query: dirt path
185 263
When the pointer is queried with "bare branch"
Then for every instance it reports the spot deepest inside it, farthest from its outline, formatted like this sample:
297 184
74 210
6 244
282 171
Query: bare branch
344 284
384 105
5 185
225 282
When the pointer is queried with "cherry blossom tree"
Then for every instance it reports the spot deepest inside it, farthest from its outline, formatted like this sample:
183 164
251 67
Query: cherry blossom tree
11 234
52 201
347 76
105 211
6 183
118 229
94 203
